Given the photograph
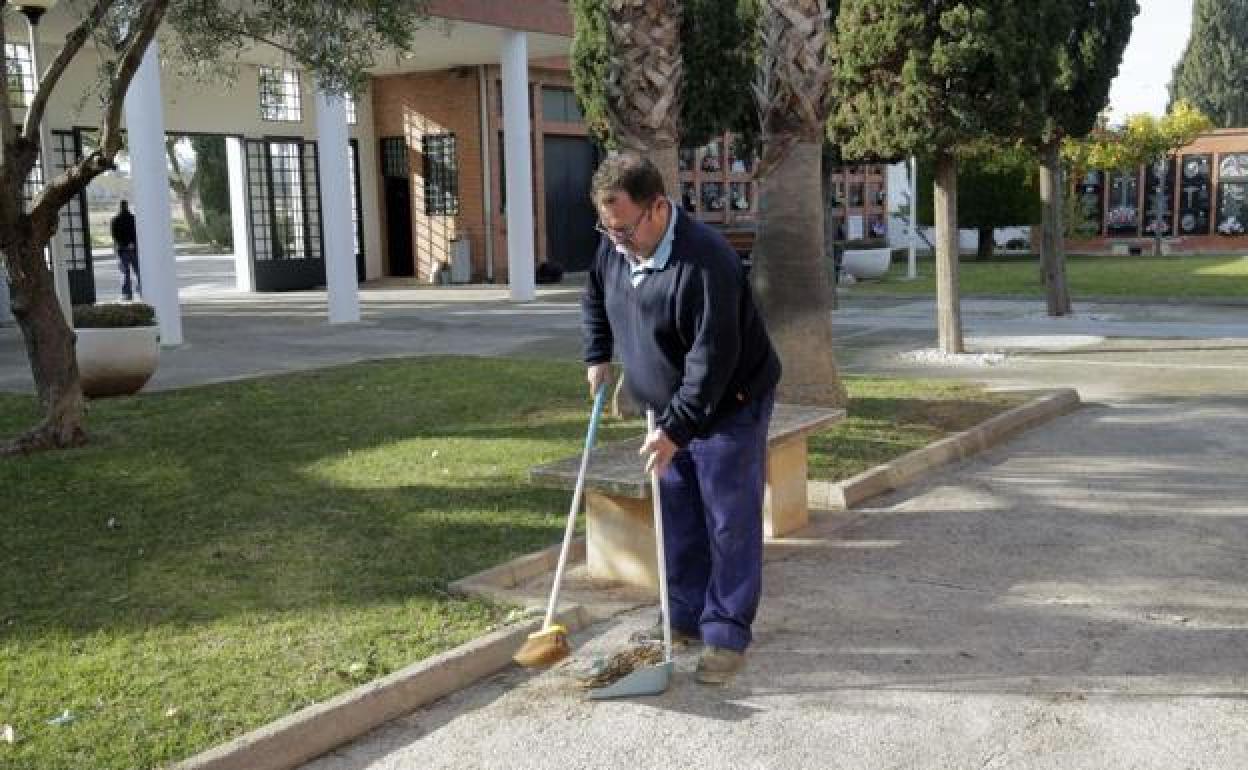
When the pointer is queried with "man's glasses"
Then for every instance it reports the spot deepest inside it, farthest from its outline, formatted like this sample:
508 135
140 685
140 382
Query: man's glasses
622 234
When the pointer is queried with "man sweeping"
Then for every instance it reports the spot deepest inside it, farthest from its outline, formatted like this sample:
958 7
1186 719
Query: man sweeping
667 297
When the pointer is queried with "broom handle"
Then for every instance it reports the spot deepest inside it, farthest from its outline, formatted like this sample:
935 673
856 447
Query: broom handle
660 552
599 398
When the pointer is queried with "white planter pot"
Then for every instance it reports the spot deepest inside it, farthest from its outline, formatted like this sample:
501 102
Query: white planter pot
866 264
117 362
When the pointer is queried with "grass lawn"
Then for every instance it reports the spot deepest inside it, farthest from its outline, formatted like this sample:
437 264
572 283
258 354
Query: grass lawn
277 541
889 417
1089 276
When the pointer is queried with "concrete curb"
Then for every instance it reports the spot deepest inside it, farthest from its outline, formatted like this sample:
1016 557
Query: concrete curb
517 571
321 727
842 495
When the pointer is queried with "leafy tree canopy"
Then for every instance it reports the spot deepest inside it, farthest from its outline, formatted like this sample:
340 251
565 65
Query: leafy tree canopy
911 75
1086 62
1142 139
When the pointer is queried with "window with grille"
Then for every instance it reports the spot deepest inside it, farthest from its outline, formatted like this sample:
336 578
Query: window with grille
441 175
280 98
66 150
357 226
560 105
284 198
353 116
394 157
286 177
258 199
21 74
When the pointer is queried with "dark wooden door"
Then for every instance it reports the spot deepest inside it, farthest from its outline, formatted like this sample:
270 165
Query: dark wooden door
570 235
398 194
399 226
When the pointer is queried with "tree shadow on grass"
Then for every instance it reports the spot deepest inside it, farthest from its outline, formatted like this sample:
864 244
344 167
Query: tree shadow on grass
292 492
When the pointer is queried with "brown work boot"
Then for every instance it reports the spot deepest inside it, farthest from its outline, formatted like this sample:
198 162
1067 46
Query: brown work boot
718 665
654 635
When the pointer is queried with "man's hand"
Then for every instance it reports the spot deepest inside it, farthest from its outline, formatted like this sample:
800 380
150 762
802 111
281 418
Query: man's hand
599 376
658 450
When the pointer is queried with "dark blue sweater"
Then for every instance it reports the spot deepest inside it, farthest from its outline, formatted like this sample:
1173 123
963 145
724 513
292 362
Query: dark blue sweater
690 336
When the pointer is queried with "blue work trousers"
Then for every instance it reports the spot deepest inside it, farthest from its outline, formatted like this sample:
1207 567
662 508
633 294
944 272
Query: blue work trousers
712 498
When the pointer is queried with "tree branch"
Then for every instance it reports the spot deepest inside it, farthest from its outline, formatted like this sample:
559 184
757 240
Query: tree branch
55 195
176 180
46 84
244 33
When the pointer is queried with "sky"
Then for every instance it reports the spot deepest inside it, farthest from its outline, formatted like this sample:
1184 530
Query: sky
1157 40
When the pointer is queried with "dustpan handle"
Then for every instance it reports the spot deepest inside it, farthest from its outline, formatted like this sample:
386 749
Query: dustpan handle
599 399
660 552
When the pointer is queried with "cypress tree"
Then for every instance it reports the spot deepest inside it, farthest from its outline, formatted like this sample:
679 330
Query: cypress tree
1212 74
1071 95
717 42
915 77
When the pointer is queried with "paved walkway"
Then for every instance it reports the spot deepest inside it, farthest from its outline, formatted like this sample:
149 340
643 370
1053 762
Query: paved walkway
1075 599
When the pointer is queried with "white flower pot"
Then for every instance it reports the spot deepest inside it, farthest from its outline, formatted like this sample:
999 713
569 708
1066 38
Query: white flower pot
866 264
117 362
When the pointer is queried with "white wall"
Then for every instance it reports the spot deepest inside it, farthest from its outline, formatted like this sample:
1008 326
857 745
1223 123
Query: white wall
225 108
899 226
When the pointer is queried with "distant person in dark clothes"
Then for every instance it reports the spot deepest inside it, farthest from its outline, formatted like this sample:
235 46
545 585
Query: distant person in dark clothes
668 297
126 244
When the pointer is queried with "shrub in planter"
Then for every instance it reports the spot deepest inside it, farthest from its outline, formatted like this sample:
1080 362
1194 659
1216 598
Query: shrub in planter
114 315
118 346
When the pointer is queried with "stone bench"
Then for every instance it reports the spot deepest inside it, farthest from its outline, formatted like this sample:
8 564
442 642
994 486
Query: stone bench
620 528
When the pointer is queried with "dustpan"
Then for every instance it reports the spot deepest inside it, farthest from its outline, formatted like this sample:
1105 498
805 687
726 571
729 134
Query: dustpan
651 680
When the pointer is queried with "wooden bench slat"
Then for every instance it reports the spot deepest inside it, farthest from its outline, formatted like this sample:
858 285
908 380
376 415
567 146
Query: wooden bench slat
616 468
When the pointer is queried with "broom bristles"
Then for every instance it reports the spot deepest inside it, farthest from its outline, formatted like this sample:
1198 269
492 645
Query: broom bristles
543 648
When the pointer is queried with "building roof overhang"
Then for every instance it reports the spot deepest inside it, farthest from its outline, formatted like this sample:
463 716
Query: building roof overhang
458 33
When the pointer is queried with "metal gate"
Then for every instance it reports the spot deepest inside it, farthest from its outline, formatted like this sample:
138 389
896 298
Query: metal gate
75 229
284 202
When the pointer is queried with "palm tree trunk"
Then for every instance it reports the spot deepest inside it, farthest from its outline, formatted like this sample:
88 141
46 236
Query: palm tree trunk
945 202
1052 236
790 277
828 190
50 348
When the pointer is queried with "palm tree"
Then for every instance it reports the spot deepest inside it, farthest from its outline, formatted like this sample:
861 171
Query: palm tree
790 266
644 81
629 76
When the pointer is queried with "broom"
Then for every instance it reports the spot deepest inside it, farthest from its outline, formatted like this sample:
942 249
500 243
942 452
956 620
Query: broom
550 644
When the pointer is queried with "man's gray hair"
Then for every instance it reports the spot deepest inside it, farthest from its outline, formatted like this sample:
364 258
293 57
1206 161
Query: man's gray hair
627 173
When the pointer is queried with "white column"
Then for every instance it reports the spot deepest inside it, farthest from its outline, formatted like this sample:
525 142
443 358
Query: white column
912 270
519 166
334 151
145 127
236 166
